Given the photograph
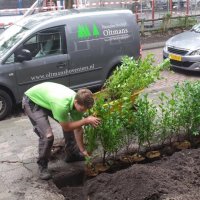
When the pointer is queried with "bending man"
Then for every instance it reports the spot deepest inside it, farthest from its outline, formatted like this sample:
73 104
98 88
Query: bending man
67 108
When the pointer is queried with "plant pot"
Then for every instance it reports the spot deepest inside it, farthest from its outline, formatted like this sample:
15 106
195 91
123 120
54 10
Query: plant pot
126 159
129 159
153 155
182 145
137 158
90 171
101 167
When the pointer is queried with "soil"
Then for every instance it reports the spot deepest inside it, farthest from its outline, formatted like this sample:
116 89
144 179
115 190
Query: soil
151 37
172 178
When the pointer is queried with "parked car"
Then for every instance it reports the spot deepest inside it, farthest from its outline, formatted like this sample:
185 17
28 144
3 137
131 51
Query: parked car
77 48
184 50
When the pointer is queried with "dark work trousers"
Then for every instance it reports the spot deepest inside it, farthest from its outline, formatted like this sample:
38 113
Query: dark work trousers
41 126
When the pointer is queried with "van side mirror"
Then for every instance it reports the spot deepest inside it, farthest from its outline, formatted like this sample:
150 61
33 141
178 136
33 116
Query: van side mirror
23 55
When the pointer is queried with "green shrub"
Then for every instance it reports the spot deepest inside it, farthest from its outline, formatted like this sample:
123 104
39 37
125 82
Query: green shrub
133 75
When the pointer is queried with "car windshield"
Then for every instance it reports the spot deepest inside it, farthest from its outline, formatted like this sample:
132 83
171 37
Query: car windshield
10 37
196 28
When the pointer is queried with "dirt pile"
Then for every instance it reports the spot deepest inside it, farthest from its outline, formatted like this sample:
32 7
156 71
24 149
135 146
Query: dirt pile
175 178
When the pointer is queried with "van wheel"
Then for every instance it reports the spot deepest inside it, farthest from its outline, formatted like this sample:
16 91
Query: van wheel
112 71
5 104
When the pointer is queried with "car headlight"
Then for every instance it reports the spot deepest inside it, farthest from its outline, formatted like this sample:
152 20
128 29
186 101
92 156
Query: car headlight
195 53
165 48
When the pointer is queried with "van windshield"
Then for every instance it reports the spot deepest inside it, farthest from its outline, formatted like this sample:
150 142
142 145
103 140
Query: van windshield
10 37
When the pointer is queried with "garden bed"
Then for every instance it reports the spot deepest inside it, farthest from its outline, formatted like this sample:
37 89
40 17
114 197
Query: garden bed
152 130
175 177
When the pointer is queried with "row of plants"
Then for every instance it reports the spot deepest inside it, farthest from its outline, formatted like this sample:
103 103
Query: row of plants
114 104
148 122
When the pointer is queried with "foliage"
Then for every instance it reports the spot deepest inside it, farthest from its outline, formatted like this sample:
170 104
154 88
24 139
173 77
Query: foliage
128 122
169 120
108 133
189 106
180 111
133 75
90 138
166 22
183 22
123 123
145 120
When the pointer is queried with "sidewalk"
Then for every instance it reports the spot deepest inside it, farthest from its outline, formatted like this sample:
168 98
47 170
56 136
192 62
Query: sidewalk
18 168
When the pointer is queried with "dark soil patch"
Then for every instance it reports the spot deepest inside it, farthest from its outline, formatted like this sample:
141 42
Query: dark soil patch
152 37
176 178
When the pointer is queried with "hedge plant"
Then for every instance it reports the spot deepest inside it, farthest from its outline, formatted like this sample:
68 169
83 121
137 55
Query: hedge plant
133 75
142 121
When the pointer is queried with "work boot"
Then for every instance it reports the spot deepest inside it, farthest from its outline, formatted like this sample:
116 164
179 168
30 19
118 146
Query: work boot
74 158
44 173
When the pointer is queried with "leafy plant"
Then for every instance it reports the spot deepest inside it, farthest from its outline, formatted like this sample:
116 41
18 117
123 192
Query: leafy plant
88 161
169 123
90 138
108 133
145 120
127 121
133 75
188 95
180 110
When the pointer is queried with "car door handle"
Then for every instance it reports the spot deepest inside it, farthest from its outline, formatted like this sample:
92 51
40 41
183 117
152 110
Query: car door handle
61 65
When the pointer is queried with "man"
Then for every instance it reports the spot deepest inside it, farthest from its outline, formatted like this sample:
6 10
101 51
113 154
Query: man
67 108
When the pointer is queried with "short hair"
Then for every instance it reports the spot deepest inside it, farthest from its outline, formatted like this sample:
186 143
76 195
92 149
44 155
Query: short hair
85 98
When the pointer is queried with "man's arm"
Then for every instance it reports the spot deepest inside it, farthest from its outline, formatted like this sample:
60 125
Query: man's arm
69 126
78 133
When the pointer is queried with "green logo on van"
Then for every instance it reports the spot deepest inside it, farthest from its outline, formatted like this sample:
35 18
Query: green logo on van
84 32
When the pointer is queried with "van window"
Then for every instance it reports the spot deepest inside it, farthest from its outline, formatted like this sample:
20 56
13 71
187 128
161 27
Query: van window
44 43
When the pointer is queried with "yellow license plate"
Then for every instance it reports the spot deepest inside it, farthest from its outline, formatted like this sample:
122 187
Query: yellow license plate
175 57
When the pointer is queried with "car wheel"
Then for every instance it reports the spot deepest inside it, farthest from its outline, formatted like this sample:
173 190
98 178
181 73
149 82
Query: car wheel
5 104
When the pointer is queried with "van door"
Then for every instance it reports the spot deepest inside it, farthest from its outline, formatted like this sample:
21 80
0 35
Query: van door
49 60
85 67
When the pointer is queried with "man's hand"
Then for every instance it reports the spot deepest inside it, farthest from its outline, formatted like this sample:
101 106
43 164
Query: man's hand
85 153
94 121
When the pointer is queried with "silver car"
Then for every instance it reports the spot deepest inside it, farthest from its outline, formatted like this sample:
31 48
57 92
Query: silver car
184 50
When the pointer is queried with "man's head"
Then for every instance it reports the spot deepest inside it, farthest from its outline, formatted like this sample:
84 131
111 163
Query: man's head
83 100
